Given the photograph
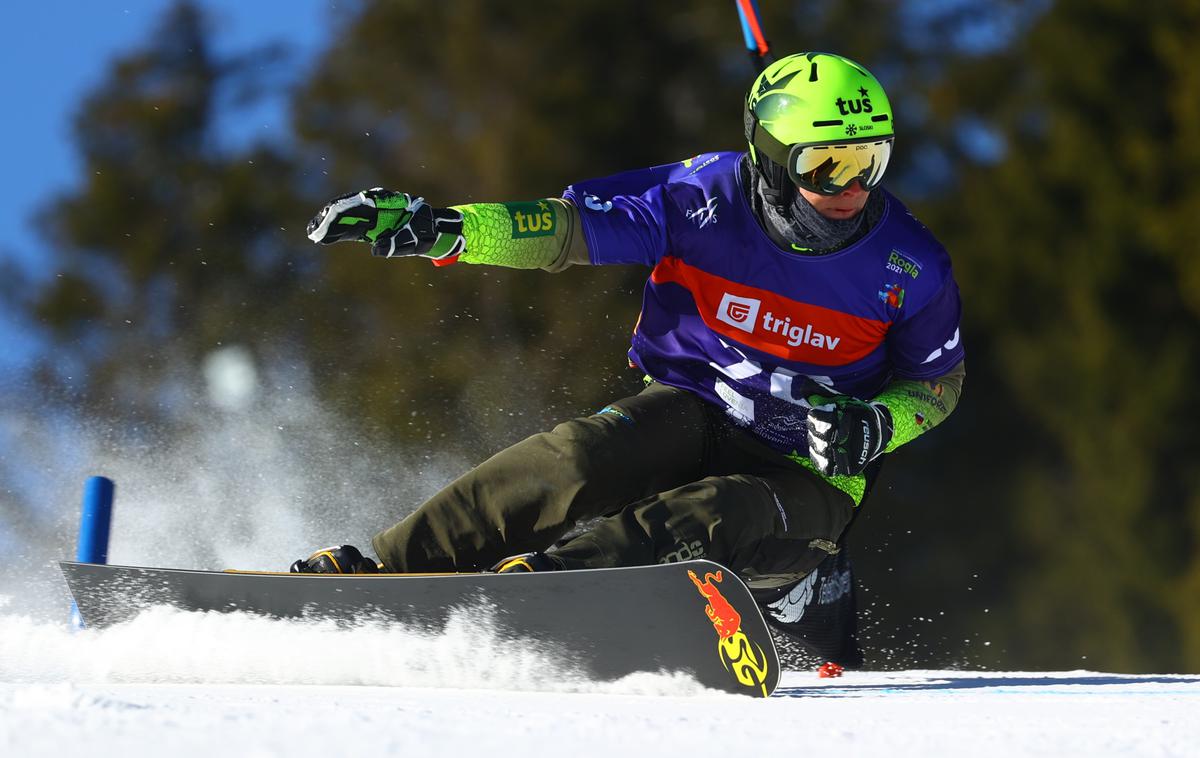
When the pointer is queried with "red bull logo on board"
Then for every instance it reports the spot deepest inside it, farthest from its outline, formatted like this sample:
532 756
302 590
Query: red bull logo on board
741 657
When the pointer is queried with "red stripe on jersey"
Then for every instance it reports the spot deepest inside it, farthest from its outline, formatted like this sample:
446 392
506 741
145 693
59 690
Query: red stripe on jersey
774 324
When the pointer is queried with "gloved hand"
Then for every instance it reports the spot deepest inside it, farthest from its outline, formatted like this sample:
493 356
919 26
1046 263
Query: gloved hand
845 433
395 224
342 559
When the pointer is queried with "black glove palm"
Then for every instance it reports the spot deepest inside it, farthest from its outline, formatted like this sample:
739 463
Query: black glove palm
845 434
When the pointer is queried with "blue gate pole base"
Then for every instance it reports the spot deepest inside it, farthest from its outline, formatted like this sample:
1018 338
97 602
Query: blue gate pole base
94 526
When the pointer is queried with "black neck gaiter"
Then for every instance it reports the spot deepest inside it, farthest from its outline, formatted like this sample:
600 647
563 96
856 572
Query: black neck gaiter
805 230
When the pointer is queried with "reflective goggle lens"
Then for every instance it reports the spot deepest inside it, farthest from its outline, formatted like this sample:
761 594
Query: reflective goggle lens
830 168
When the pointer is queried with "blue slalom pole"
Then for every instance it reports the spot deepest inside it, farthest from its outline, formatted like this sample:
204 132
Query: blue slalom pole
94 524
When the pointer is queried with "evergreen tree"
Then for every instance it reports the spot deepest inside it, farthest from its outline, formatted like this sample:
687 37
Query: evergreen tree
1074 251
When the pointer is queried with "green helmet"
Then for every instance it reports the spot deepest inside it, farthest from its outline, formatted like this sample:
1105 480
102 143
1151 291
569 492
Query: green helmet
820 120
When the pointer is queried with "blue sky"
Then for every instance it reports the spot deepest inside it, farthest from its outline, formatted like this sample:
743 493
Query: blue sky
54 53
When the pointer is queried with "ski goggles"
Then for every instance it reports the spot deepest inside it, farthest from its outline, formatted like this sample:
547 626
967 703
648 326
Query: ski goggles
830 167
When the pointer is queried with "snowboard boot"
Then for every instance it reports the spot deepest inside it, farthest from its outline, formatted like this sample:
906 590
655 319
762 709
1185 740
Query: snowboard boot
344 559
526 562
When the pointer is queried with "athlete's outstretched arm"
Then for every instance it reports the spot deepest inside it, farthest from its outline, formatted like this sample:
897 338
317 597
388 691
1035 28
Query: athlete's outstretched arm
542 234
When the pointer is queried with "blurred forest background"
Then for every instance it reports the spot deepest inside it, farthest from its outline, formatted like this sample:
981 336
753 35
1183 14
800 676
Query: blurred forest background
1053 522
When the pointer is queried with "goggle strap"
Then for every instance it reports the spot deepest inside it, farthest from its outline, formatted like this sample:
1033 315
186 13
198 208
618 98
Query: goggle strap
763 140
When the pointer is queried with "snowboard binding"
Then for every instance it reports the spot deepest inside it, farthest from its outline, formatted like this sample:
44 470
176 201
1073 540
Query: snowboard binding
527 562
343 559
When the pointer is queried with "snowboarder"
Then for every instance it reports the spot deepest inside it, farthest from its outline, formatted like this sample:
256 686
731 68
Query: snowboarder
798 324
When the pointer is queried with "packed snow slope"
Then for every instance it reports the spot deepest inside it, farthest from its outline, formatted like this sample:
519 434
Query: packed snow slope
186 684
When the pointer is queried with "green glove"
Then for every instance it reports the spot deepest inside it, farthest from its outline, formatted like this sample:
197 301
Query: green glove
395 223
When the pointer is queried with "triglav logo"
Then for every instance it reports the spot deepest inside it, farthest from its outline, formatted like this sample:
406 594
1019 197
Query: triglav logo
740 312
799 335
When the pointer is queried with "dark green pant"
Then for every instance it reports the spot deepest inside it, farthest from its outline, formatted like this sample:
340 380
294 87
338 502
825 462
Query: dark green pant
668 476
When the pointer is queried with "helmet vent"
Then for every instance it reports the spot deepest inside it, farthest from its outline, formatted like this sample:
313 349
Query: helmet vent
839 122
812 74
880 117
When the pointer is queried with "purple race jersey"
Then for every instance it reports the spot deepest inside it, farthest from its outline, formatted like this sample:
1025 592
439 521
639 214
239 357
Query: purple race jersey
755 329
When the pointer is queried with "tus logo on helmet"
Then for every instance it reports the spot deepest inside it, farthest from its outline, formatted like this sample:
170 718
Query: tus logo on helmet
857 105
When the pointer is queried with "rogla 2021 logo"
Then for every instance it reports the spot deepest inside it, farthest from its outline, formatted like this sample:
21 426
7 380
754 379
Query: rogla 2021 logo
742 313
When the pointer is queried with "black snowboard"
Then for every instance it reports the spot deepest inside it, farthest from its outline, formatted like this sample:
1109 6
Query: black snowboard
695 617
